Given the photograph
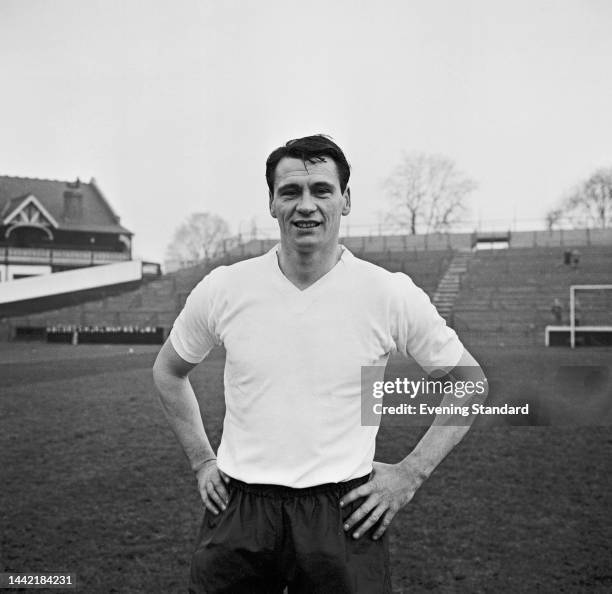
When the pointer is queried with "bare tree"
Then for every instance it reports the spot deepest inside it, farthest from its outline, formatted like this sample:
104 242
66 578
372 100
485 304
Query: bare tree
591 202
427 192
197 238
553 217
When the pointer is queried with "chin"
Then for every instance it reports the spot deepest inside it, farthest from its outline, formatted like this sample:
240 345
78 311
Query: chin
306 244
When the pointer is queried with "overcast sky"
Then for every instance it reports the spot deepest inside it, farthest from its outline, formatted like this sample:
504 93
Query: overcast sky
173 106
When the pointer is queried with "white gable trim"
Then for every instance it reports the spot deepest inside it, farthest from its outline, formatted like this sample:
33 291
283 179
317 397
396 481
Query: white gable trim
31 199
44 228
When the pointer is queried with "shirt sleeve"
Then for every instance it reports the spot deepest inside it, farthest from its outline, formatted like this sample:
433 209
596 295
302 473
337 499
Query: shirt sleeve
193 334
418 330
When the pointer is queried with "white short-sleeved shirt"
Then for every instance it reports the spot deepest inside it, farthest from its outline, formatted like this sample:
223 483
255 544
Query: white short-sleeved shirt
294 358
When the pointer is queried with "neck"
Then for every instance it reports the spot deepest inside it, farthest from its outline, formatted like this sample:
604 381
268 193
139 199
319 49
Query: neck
305 268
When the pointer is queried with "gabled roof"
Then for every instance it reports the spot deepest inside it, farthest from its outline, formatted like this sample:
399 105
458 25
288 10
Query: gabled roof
97 214
17 210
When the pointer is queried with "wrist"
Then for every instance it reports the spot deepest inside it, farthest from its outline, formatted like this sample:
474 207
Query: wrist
202 463
415 468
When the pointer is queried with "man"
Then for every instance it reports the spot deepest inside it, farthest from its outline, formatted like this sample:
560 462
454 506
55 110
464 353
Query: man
557 311
295 499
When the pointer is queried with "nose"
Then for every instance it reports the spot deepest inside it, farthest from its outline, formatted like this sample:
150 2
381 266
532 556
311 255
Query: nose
306 204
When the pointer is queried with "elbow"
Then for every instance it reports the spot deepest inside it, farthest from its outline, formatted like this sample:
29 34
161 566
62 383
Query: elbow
167 375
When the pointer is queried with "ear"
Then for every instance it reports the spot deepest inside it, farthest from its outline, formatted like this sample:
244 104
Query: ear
347 201
271 204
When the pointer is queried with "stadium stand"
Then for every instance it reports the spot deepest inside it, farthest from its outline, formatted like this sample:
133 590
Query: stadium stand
501 296
506 295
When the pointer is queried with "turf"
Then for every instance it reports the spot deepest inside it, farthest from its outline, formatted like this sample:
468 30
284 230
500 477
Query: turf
94 483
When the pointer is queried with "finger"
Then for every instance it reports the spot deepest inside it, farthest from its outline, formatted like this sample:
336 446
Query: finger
209 504
372 518
220 489
361 512
224 476
386 522
361 491
214 496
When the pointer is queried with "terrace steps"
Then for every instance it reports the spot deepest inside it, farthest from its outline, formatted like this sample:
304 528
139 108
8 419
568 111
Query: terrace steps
450 284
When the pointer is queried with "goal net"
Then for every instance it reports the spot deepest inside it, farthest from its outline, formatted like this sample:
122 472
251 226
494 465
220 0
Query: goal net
590 307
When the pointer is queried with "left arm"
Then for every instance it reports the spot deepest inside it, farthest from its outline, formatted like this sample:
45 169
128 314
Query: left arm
394 485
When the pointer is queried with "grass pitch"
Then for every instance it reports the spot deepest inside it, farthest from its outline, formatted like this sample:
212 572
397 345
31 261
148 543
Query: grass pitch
94 483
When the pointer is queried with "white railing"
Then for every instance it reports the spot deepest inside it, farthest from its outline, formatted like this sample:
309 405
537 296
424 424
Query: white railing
50 256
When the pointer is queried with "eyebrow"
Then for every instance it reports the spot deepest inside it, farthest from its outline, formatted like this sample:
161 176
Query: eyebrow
290 186
293 186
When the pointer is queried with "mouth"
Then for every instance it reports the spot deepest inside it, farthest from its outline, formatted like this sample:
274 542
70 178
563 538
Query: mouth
306 224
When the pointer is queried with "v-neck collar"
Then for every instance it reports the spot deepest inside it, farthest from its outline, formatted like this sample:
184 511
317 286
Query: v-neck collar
310 289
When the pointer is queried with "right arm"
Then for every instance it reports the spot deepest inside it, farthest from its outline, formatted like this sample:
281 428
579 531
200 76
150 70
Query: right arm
182 412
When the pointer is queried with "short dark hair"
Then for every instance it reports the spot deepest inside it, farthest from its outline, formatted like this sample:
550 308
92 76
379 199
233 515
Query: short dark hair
312 149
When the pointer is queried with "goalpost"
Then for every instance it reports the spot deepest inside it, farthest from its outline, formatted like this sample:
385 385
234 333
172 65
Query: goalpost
598 309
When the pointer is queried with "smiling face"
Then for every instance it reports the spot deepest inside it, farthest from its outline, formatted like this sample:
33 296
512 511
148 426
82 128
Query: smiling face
308 203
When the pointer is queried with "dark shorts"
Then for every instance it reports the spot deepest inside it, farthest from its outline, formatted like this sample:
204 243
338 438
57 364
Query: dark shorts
271 537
